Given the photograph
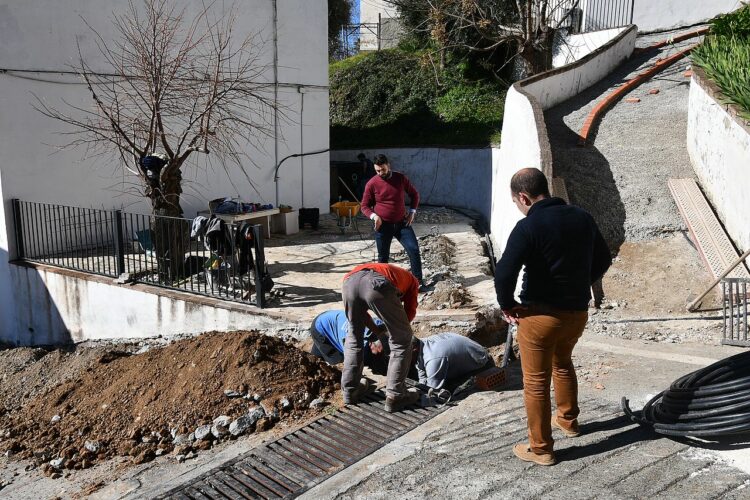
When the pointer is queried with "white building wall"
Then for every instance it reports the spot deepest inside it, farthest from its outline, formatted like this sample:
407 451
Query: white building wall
719 148
8 323
656 15
373 12
37 47
370 9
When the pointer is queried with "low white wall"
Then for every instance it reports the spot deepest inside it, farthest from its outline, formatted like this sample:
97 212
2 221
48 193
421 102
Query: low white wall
656 15
574 47
7 294
718 142
520 147
443 176
58 307
554 87
524 135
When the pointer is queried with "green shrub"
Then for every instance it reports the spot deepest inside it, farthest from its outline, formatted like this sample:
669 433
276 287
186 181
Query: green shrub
395 98
480 103
734 24
725 57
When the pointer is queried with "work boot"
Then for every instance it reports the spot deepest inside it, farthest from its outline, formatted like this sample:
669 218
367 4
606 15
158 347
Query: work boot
574 431
393 405
365 386
523 451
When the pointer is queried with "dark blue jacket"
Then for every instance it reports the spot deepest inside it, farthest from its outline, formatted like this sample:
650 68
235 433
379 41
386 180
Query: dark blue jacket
563 251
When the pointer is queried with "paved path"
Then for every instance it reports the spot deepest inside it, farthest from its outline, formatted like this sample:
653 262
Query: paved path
466 452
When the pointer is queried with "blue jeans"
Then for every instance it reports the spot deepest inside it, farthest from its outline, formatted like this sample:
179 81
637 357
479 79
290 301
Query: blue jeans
405 235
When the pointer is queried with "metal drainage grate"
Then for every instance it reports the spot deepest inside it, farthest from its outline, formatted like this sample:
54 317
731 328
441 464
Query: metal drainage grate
294 463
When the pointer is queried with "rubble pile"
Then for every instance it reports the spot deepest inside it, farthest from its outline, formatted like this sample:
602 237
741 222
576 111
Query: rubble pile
445 288
178 400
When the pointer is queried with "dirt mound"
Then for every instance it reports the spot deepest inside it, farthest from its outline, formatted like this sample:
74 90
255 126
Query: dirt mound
28 371
148 404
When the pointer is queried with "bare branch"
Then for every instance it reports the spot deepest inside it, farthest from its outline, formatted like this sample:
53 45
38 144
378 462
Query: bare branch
171 83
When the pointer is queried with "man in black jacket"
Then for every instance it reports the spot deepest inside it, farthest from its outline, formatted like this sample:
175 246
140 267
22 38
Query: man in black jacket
563 253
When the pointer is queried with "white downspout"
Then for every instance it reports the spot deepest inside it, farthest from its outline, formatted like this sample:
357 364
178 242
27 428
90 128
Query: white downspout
301 91
276 92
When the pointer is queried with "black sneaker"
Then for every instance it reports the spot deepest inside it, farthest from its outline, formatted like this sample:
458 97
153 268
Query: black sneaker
422 287
393 405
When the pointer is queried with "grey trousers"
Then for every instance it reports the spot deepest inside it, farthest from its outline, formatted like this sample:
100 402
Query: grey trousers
368 290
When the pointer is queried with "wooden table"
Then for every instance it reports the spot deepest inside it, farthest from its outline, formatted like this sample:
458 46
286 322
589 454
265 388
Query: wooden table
263 215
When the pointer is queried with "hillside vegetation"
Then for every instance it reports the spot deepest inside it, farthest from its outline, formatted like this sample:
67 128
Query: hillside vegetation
399 98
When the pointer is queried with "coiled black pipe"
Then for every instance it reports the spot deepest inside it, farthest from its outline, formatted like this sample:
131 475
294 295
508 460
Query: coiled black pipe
710 402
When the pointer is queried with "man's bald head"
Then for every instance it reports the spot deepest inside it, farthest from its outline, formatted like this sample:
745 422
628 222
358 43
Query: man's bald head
530 181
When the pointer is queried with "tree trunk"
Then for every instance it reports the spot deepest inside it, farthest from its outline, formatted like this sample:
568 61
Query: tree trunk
536 54
171 231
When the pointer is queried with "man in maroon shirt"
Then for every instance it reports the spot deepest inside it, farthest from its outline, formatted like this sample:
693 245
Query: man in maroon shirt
384 203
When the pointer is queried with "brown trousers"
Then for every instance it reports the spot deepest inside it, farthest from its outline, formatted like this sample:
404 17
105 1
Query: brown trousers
546 337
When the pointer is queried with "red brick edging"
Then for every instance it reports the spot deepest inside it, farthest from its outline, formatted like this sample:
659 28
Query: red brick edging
596 113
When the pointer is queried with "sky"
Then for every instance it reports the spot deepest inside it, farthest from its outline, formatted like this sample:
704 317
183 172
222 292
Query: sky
355 11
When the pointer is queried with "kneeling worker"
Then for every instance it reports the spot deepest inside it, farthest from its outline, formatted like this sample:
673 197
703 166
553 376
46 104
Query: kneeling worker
328 331
448 357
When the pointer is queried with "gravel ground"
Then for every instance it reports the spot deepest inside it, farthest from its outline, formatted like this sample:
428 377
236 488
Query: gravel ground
622 177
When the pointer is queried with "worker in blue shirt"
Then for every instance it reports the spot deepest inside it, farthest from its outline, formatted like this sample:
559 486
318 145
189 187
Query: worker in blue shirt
328 332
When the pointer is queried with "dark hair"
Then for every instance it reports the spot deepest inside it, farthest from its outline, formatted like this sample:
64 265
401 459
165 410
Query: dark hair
530 181
380 159
361 157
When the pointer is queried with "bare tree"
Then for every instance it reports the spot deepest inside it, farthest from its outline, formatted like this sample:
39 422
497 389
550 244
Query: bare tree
173 85
485 25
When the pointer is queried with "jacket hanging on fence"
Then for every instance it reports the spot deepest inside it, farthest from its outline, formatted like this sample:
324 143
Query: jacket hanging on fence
218 238
244 243
216 234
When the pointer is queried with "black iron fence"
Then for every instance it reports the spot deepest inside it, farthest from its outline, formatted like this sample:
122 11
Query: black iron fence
356 37
206 255
736 327
606 14
580 16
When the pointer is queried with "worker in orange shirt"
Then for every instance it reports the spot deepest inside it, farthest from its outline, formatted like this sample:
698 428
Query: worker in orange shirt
391 293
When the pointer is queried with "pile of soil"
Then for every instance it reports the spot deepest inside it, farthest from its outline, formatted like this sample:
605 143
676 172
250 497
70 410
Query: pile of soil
137 404
27 372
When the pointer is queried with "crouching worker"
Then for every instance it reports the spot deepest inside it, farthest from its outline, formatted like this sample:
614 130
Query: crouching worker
448 358
390 292
328 331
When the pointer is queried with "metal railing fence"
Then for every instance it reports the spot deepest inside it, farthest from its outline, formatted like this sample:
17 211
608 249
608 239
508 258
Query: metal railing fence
606 14
228 263
736 330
